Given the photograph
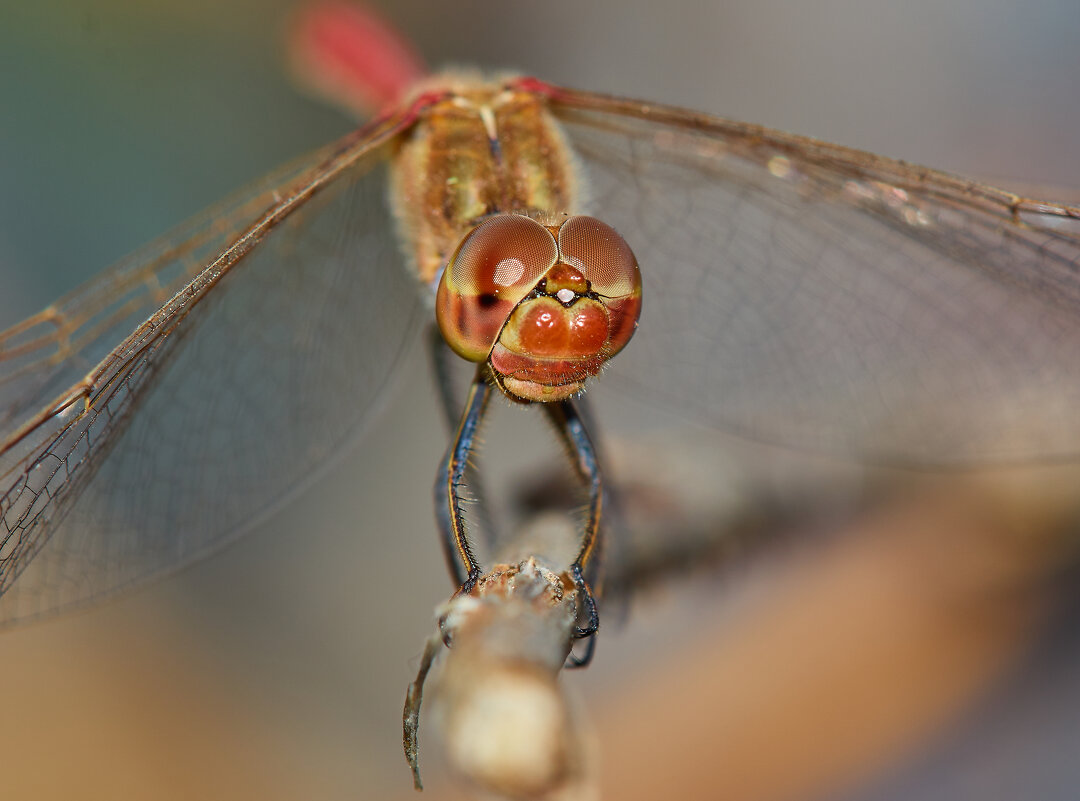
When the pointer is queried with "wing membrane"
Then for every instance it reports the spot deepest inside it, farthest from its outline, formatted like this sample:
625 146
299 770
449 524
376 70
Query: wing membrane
823 298
244 382
51 351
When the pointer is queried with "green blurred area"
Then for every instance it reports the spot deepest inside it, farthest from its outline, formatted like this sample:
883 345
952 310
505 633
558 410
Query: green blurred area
123 119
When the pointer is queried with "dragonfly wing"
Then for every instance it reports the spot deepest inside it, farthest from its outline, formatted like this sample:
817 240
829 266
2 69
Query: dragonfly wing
238 389
44 355
827 299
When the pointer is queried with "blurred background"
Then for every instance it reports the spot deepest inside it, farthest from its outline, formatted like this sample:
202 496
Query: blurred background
916 658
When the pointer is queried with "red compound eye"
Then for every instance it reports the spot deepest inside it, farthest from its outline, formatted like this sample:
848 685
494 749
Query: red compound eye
497 264
603 257
587 312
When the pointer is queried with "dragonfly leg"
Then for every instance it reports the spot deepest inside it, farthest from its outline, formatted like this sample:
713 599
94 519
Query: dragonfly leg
613 507
456 546
575 661
442 359
567 421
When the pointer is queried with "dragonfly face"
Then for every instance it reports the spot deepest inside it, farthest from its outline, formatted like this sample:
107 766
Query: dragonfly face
545 305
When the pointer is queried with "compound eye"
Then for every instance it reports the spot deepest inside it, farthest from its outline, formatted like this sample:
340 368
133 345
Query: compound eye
606 261
497 264
602 256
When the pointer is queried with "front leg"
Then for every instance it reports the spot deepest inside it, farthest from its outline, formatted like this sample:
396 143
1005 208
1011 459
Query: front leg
567 421
456 546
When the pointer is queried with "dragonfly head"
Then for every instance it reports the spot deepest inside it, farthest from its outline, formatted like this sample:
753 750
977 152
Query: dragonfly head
544 300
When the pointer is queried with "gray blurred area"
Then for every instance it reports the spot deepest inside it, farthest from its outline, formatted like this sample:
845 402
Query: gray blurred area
278 668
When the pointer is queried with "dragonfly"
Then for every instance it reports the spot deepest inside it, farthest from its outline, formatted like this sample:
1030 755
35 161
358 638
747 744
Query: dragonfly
800 293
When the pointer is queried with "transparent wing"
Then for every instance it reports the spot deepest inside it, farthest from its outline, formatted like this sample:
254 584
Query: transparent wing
197 423
828 299
46 354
